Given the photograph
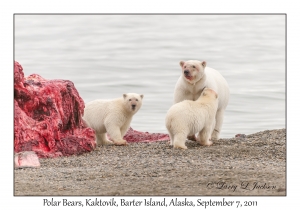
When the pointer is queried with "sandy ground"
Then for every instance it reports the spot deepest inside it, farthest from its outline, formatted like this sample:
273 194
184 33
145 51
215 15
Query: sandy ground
254 165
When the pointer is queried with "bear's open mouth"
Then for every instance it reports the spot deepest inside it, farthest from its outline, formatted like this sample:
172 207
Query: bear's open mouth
189 77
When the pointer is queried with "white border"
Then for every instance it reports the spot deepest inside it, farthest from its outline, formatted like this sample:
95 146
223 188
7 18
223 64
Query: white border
8 8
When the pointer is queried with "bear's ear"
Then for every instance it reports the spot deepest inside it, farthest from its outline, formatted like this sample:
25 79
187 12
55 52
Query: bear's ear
203 63
124 95
181 63
142 96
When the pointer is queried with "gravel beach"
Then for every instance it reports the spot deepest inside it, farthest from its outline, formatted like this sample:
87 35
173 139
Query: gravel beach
248 165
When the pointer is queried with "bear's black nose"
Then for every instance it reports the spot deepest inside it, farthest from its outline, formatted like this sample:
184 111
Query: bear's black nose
186 72
133 106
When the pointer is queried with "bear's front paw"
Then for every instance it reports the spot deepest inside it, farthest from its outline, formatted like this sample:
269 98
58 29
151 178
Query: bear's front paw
108 142
180 146
206 143
120 143
215 135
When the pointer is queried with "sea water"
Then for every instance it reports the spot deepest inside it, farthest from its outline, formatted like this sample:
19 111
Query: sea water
108 55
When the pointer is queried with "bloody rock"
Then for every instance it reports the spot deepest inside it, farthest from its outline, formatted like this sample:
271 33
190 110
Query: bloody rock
47 117
26 159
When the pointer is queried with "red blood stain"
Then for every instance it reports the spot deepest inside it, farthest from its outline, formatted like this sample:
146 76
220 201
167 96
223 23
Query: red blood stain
138 136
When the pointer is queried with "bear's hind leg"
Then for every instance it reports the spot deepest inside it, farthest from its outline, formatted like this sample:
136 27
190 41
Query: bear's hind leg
179 140
204 137
171 136
171 139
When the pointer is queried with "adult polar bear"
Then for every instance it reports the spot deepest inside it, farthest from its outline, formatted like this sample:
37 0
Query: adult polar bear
194 78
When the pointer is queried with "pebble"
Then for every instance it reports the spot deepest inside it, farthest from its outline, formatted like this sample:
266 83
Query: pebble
156 168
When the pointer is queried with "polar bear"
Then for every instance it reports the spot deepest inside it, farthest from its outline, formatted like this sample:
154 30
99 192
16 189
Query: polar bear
189 117
112 117
194 78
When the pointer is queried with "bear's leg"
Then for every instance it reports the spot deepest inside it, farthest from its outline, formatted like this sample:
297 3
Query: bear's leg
218 126
115 135
179 140
125 128
102 139
204 137
171 138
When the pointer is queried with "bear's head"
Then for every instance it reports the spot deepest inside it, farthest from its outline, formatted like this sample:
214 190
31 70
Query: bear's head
192 70
208 94
132 102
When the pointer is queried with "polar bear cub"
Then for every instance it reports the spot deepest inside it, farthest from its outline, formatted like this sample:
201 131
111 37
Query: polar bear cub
191 117
194 78
112 117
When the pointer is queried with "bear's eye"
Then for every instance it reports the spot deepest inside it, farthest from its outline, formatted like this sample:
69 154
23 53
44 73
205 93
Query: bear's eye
185 67
130 99
136 99
194 67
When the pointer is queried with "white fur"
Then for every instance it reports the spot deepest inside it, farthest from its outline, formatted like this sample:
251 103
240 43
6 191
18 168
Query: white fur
112 117
201 77
190 117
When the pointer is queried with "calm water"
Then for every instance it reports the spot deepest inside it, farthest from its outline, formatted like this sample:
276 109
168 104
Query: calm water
108 55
